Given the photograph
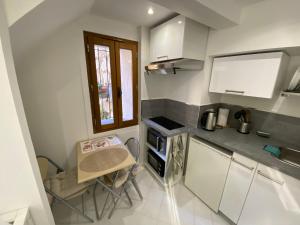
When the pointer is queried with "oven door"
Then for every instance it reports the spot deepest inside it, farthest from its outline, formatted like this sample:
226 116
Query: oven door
156 140
156 163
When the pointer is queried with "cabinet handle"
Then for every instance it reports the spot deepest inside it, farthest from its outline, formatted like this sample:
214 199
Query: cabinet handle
235 92
242 164
269 178
163 56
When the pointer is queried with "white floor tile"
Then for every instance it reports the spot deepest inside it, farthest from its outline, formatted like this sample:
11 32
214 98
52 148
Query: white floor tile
173 212
203 215
161 206
219 220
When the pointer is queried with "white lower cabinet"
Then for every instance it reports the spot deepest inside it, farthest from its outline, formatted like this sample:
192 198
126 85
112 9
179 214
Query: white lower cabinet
206 172
237 185
273 199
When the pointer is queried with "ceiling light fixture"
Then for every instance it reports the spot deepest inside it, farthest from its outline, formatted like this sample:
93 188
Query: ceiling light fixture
150 11
179 22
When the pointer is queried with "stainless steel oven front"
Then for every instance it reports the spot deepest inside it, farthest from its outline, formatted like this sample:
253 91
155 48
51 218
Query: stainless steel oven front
157 140
156 162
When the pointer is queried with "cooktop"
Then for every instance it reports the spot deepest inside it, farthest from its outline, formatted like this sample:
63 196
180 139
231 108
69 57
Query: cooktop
166 123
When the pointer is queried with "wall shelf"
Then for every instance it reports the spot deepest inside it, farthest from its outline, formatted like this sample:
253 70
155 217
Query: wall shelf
288 94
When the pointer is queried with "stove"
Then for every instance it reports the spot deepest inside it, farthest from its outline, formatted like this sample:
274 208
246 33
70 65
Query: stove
166 123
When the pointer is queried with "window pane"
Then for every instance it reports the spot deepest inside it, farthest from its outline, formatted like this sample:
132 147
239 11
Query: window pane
103 68
126 84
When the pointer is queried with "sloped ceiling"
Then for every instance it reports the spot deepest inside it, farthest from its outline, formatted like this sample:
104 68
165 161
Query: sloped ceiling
47 17
15 9
43 20
131 11
213 13
244 3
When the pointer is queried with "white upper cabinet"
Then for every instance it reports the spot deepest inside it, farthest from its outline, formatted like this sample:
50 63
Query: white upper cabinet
273 199
255 75
237 185
177 38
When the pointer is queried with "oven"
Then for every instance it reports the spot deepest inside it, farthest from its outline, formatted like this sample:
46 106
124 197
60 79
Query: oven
157 140
157 163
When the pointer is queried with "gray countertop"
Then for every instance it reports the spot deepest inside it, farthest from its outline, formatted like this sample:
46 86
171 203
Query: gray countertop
249 145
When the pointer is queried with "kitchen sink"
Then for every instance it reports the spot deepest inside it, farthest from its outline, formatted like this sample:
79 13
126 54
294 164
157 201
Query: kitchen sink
290 156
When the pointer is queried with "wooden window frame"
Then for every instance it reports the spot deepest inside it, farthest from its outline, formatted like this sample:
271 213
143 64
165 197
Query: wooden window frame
115 44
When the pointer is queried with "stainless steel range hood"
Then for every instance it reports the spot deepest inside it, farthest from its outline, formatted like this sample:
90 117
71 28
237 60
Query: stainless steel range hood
172 66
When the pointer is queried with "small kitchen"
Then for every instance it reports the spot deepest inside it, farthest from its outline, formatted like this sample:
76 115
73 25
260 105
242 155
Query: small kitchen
157 112
242 158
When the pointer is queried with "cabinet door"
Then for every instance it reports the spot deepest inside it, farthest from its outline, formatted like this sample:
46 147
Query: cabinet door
237 185
157 41
250 75
274 199
206 172
166 40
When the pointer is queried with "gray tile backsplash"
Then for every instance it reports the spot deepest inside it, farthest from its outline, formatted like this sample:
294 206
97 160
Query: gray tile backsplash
151 108
282 128
174 110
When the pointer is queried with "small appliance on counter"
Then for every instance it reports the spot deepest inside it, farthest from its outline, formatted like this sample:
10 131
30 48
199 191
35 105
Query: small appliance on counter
244 117
208 120
222 117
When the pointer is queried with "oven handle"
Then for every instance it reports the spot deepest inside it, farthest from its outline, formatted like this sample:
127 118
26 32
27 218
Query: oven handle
157 140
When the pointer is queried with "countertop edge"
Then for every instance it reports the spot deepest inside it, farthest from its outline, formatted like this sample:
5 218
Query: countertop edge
254 153
263 158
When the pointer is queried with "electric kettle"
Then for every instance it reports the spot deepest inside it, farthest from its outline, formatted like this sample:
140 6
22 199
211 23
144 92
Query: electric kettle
208 120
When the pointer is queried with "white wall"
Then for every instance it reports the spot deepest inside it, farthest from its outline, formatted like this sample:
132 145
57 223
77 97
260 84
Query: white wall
20 181
183 86
271 24
54 87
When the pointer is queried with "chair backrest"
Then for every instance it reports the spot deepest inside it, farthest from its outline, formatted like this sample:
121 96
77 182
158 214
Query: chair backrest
44 166
134 147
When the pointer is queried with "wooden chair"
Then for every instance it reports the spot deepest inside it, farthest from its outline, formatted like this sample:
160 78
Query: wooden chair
63 185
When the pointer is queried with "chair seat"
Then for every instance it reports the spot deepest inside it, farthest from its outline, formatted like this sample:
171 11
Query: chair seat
137 169
121 179
65 185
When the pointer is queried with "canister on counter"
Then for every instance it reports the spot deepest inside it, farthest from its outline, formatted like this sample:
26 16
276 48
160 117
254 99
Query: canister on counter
222 117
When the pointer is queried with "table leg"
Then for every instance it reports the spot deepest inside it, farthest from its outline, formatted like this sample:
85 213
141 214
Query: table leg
103 209
110 192
115 202
108 188
95 200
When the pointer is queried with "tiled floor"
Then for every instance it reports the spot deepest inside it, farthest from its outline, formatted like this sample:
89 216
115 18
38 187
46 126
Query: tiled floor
174 206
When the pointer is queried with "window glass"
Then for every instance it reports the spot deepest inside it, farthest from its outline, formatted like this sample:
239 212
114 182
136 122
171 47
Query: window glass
126 84
103 68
